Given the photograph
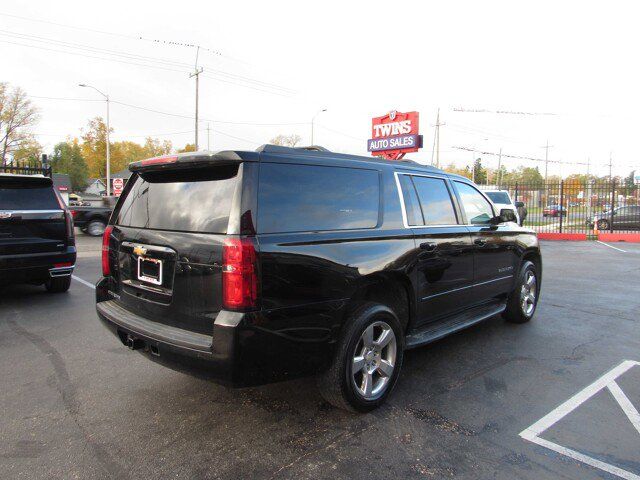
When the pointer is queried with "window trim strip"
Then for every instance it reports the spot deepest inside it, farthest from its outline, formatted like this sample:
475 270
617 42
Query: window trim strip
403 207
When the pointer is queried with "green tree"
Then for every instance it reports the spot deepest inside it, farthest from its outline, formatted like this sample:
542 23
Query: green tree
479 172
67 158
27 153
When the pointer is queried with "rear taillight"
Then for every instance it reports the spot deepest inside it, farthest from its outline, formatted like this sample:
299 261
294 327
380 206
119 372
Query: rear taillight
239 274
106 268
74 213
68 220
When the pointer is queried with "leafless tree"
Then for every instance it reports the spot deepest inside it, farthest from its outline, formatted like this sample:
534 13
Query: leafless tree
286 140
17 114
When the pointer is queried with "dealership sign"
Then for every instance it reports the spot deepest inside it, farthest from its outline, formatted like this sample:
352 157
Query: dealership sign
395 134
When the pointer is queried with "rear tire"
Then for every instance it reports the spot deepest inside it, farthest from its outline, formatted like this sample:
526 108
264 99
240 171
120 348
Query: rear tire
367 360
523 300
58 284
95 228
603 225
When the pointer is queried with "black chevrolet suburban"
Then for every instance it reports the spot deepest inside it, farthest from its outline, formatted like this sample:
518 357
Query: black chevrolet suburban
250 267
37 244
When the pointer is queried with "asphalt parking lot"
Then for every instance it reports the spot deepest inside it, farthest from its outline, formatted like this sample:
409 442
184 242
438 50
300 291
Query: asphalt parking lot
77 404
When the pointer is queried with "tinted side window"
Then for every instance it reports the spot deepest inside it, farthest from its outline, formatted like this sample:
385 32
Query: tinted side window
476 207
302 198
435 200
411 204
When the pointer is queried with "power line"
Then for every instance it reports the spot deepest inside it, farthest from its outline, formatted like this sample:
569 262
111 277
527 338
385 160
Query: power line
69 99
337 132
103 32
190 117
523 157
134 59
505 112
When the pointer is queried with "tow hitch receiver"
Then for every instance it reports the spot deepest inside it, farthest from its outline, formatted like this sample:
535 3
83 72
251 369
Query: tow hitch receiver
134 343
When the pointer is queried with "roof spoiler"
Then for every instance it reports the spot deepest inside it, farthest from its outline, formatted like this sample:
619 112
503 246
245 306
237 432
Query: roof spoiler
269 148
192 160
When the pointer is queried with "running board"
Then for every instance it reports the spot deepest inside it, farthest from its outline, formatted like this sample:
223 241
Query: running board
440 329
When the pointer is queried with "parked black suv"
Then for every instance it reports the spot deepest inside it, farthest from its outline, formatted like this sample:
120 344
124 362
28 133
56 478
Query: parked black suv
249 267
37 243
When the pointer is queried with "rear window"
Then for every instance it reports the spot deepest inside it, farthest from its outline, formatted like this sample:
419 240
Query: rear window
26 195
195 201
303 198
498 197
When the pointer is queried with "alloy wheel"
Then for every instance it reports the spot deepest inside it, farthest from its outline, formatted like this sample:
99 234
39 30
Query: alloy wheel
528 294
374 360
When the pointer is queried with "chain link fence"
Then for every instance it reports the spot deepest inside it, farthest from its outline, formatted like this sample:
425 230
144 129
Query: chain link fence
577 207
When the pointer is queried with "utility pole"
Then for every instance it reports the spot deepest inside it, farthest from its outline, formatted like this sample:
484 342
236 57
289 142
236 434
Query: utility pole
610 165
588 166
436 141
196 73
208 130
473 166
546 160
499 168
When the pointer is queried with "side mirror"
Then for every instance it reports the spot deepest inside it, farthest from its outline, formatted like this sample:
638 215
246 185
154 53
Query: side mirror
519 204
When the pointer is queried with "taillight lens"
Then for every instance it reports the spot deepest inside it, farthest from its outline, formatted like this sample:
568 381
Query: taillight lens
239 275
68 220
106 268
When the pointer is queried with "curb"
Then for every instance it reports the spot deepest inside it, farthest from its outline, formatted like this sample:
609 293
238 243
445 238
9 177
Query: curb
562 236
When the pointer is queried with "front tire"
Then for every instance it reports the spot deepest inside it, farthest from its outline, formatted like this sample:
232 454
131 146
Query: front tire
523 300
603 225
58 284
367 360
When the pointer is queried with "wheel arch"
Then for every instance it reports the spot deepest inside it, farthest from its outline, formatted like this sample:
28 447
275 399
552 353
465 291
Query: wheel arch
533 255
391 289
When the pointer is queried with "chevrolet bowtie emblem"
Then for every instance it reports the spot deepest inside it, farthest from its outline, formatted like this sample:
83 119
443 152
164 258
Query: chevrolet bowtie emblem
139 250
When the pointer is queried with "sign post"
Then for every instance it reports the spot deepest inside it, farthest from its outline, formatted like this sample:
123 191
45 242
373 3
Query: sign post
395 134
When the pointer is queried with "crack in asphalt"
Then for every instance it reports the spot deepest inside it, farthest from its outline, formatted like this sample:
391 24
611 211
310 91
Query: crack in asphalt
69 399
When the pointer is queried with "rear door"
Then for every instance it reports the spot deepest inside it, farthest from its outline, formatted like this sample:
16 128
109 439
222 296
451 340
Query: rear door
168 236
495 252
445 252
32 220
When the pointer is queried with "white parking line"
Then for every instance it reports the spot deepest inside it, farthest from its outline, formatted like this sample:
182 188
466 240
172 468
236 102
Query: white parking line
84 282
611 246
533 432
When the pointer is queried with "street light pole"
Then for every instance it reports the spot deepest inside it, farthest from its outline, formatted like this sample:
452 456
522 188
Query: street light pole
108 169
313 120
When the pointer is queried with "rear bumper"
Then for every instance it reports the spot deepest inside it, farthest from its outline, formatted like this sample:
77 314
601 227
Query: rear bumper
36 267
242 349
212 357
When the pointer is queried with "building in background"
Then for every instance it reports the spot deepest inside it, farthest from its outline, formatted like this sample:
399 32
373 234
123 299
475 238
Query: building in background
96 187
